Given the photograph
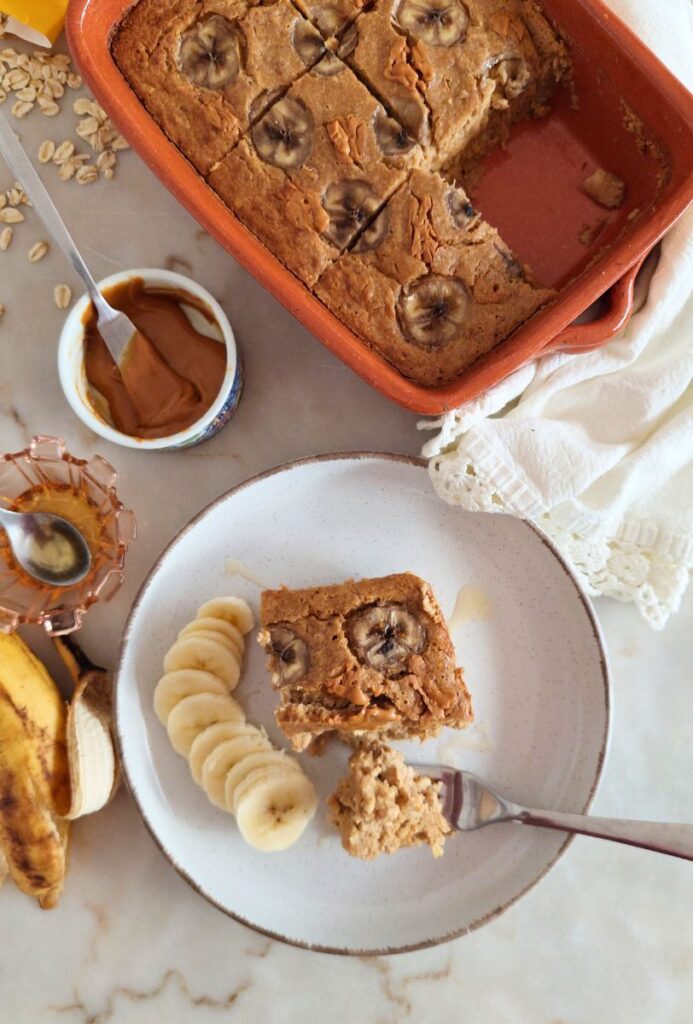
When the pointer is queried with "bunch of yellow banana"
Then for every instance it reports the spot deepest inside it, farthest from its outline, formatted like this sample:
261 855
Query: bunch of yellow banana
57 762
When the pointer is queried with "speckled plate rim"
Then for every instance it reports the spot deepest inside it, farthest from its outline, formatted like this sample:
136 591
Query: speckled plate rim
316 947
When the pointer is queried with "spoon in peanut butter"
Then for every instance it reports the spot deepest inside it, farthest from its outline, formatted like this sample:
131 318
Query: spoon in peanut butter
47 547
126 344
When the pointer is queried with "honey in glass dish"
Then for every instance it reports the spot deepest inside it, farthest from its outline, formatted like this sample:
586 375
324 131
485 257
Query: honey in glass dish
46 478
71 503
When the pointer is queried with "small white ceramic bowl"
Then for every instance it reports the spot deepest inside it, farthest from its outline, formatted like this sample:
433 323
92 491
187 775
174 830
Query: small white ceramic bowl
74 381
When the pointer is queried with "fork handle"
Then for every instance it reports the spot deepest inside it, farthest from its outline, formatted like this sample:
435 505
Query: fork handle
674 840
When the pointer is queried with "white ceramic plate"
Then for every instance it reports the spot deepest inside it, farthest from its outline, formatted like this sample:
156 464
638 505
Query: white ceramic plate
536 671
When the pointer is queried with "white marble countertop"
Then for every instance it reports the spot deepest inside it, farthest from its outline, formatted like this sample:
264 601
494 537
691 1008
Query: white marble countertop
608 936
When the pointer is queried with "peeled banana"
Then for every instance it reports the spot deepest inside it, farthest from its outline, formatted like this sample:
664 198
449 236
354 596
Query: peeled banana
94 765
233 761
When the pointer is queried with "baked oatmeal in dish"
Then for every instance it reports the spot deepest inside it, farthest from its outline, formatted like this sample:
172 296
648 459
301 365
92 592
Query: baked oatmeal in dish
451 71
315 120
429 269
366 657
312 173
382 805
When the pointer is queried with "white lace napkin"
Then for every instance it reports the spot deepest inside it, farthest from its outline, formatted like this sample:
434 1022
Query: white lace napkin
597 449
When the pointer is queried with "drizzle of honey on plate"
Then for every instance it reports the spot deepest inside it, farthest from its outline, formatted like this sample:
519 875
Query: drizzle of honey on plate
60 500
471 605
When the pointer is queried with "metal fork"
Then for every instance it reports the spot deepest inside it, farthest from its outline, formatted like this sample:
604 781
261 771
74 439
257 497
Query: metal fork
469 804
115 327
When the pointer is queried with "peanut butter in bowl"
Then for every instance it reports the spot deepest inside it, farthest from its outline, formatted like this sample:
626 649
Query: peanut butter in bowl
179 381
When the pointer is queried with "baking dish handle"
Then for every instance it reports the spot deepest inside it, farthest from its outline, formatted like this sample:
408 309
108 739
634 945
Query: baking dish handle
621 306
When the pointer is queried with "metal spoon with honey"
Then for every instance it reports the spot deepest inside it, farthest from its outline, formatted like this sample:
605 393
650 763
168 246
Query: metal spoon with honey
47 547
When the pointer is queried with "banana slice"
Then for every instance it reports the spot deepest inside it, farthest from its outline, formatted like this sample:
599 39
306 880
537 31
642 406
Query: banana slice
205 742
226 629
199 652
225 757
184 682
273 810
195 713
219 638
268 760
232 609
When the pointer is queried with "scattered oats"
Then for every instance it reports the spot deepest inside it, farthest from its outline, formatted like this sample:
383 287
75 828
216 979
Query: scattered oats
87 174
3 95
62 61
63 152
46 151
15 196
105 161
38 251
74 80
62 294
48 107
53 89
5 238
9 215
89 126
109 173
119 143
27 94
21 109
3 200
67 170
17 78
82 106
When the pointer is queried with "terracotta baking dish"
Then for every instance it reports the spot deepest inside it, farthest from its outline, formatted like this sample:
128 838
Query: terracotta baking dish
530 191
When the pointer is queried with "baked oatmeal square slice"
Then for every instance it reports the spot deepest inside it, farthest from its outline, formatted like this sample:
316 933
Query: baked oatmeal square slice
455 70
430 286
205 70
315 168
365 657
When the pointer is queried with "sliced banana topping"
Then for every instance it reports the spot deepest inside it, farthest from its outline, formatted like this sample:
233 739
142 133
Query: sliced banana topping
391 137
436 22
308 43
385 636
210 738
432 310
290 652
462 213
349 205
375 234
511 73
226 756
284 136
209 54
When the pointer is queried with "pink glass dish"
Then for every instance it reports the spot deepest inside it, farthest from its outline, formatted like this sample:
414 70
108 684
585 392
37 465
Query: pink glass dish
61 610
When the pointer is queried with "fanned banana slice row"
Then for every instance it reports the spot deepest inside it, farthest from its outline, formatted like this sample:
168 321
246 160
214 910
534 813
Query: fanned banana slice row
233 761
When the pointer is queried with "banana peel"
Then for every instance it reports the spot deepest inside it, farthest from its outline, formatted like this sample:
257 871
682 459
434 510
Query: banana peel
57 762
94 766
